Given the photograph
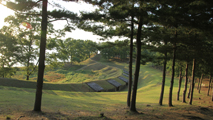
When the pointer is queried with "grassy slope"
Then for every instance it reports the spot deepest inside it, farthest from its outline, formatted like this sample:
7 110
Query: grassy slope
86 71
72 77
62 104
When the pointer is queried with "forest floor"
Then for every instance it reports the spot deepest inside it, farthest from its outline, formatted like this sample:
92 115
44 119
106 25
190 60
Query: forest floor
16 103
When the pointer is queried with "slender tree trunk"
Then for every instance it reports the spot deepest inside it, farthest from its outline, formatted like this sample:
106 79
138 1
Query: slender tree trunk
192 82
130 64
186 82
189 92
38 98
173 72
210 82
200 83
164 78
137 67
28 76
28 59
3 70
212 94
28 65
180 81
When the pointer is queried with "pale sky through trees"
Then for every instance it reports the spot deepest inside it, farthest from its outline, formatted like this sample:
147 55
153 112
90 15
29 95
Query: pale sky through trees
72 6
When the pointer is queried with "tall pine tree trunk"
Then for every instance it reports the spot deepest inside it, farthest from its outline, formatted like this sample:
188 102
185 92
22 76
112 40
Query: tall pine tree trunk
38 98
186 82
130 63
164 78
137 67
192 82
180 81
201 80
189 92
173 72
210 82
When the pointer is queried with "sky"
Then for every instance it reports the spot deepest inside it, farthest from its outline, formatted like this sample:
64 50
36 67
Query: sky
75 7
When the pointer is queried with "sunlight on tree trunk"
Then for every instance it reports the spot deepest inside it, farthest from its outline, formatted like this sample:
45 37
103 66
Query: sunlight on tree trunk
130 64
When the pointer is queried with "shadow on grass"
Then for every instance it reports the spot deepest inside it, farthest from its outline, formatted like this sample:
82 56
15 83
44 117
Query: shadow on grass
46 86
58 116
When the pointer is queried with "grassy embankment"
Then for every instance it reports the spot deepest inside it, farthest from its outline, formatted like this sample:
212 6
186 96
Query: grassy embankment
58 103
72 77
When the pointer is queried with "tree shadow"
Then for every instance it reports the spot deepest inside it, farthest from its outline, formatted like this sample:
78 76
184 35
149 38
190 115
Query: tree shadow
80 87
59 116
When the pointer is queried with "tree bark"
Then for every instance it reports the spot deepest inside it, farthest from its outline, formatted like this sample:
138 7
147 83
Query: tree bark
192 82
173 72
37 105
200 83
180 81
130 63
137 67
210 82
186 82
164 78
189 92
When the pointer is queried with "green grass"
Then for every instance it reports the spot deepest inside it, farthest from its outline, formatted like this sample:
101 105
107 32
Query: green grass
86 71
64 99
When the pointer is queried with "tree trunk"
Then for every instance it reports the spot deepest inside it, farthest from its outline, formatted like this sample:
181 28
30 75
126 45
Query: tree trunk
186 82
37 105
189 92
180 81
192 82
28 60
200 83
173 73
137 67
130 63
210 82
212 94
164 78
3 71
28 64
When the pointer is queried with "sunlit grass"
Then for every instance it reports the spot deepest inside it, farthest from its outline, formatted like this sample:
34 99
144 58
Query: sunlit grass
85 71
19 95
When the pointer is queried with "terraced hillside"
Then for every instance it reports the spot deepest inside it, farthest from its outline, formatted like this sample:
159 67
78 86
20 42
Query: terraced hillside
62 101
75 77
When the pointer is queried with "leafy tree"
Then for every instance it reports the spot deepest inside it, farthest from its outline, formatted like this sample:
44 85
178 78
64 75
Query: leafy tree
25 38
25 7
9 52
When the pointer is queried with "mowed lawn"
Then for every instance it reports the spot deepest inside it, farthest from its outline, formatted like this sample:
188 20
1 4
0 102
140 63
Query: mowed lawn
62 104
